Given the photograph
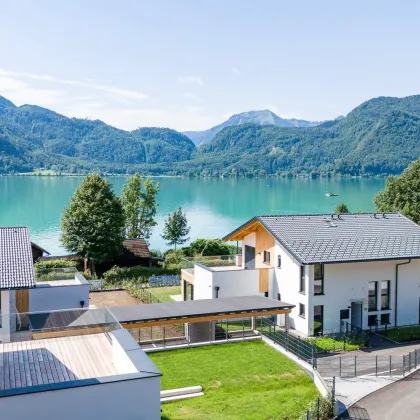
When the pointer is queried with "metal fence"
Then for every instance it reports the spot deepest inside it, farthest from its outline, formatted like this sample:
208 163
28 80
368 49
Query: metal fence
160 281
322 408
102 286
301 348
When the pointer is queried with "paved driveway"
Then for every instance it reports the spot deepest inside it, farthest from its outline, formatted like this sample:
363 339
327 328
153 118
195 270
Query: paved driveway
401 400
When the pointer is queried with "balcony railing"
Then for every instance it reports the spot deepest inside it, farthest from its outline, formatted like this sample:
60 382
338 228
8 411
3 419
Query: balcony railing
211 261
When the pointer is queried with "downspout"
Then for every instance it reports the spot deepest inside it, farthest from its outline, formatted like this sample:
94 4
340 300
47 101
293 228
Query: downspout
396 289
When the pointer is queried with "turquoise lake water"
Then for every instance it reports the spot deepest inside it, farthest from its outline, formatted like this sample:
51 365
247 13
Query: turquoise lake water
214 207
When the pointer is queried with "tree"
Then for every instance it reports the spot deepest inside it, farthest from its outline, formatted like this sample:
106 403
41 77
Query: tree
176 228
207 247
92 224
341 208
402 193
139 203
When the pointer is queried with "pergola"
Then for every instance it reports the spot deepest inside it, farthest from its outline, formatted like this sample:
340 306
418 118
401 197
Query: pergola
160 314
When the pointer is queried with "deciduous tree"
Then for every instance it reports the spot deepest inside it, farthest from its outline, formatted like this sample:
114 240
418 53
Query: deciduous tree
139 203
176 228
341 208
92 224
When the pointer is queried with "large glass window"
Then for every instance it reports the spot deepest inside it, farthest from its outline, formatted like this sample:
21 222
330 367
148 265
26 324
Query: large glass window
319 279
302 285
373 295
385 286
318 319
385 319
372 320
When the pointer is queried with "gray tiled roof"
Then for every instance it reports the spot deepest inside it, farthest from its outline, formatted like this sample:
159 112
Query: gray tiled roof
352 237
16 264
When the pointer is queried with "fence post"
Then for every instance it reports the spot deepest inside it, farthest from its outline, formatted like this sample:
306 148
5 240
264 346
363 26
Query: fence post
317 409
287 340
390 366
340 366
333 392
313 357
227 326
409 361
376 365
355 365
164 329
308 415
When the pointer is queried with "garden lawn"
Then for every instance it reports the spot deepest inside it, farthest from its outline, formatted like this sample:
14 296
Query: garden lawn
403 334
246 380
164 293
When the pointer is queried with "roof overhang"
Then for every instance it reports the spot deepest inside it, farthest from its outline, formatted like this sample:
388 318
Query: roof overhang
248 227
198 311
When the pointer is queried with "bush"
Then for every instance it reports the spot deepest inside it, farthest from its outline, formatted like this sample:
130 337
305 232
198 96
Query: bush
320 409
207 247
138 274
173 258
43 265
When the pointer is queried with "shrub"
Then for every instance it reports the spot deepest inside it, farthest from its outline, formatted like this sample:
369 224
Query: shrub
138 274
174 257
320 409
43 265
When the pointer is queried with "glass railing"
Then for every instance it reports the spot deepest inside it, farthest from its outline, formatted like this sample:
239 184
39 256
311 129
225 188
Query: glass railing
51 274
211 261
53 324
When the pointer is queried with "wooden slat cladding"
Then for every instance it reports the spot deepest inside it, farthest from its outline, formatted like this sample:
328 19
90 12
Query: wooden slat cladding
264 242
263 280
22 304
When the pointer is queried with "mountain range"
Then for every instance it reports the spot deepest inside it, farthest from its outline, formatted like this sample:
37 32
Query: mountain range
265 117
379 137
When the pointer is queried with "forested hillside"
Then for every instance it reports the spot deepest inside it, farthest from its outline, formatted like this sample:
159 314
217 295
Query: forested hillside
379 137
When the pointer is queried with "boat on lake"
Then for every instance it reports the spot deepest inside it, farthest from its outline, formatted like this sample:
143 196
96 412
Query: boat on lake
331 195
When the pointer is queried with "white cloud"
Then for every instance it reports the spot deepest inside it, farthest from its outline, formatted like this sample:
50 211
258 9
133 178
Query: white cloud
235 70
115 92
191 96
190 79
122 108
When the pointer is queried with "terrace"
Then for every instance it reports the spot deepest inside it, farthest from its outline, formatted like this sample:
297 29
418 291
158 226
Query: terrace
81 354
222 276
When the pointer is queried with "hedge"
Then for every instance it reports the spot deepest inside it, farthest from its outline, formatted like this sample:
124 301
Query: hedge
138 274
44 265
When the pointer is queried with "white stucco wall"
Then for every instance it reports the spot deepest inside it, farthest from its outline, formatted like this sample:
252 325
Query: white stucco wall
137 399
287 284
344 283
59 297
235 283
203 283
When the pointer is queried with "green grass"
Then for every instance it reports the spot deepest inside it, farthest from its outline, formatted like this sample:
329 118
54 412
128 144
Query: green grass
247 380
403 334
331 344
164 293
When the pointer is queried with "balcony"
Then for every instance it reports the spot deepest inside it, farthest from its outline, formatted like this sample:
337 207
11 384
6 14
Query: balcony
224 276
50 277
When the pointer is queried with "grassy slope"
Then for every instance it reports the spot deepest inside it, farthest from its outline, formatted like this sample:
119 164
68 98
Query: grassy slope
247 380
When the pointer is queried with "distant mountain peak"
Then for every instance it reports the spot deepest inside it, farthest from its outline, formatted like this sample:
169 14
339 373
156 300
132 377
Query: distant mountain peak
262 117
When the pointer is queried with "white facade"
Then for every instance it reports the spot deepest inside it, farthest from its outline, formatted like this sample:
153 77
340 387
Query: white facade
231 283
59 295
346 289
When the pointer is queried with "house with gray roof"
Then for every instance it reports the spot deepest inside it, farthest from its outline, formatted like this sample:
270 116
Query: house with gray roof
338 270
21 293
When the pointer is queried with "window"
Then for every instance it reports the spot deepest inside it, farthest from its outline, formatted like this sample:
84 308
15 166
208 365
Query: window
266 257
385 286
372 320
373 295
266 294
319 279
344 314
318 319
278 296
302 286
385 319
279 261
302 310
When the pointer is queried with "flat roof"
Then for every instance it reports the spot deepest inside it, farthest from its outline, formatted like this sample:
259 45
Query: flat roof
197 308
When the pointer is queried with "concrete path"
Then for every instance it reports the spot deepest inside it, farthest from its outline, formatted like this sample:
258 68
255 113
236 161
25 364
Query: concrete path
401 400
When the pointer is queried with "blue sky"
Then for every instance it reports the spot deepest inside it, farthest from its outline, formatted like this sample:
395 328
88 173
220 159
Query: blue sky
191 64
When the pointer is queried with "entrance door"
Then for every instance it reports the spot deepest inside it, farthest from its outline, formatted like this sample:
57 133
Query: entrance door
356 314
318 319
249 257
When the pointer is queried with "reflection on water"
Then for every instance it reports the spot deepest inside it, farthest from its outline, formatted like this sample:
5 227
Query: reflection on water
214 206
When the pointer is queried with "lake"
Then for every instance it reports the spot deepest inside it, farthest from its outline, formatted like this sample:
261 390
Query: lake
214 206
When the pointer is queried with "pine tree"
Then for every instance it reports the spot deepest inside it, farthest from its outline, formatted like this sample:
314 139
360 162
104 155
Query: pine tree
176 228
139 203
92 224
341 208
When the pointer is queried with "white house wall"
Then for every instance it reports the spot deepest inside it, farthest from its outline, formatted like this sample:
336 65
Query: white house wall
58 297
203 283
134 399
236 283
344 283
287 284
